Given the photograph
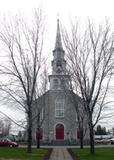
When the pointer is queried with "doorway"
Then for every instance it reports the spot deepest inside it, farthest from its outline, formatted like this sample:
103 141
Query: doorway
59 132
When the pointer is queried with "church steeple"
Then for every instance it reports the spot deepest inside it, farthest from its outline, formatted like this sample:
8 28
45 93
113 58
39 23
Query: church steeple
58 63
59 74
58 43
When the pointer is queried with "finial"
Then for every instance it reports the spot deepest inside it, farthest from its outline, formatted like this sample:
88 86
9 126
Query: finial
58 16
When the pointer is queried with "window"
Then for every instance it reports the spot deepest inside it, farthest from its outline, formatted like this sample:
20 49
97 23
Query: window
59 63
59 109
55 83
63 83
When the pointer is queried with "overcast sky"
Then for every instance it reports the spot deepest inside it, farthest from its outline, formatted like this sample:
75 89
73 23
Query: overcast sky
97 10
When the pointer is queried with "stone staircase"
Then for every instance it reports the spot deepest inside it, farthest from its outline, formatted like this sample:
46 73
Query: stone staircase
60 142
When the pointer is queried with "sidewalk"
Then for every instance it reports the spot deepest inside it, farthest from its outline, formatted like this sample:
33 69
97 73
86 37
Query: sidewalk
60 154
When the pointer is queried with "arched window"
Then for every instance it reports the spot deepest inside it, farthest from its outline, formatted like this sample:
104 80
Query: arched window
59 108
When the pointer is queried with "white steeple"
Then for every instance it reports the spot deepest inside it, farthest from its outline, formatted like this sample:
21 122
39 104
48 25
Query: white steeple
59 75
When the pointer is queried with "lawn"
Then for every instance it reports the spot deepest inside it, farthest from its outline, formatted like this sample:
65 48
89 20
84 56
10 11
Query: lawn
21 154
100 154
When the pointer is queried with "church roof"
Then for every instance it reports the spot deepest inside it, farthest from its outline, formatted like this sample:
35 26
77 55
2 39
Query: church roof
73 97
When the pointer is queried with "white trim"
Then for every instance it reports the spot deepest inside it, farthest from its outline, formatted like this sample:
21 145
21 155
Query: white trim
55 129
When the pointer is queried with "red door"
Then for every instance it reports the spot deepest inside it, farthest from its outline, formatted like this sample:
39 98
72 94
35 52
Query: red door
39 135
78 134
59 132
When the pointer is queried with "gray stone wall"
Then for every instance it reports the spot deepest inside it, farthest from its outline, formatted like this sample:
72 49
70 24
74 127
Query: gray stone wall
50 120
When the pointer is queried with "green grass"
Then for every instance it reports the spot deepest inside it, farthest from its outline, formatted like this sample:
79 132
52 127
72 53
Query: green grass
100 154
21 154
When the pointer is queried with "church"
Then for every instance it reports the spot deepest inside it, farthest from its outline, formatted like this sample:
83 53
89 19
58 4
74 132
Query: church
58 114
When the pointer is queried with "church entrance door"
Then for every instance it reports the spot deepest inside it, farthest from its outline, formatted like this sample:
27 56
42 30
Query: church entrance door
39 134
59 132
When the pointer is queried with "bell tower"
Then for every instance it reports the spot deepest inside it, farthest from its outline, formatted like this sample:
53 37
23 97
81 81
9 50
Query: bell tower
59 77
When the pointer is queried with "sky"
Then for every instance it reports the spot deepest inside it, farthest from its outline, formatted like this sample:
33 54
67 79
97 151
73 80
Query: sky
97 10
91 8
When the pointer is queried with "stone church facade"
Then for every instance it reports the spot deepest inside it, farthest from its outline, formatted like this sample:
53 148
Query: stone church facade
58 114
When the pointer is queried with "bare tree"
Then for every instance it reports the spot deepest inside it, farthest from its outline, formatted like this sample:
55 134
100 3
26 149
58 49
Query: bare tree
40 103
22 44
90 57
81 118
1 127
5 127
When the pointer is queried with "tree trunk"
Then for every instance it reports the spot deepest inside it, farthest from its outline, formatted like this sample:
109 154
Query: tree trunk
38 143
92 147
38 138
38 131
81 139
29 147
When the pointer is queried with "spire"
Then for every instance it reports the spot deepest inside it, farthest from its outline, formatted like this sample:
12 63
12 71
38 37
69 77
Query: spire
58 43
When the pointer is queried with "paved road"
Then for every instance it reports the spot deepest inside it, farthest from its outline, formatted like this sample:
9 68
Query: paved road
60 154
